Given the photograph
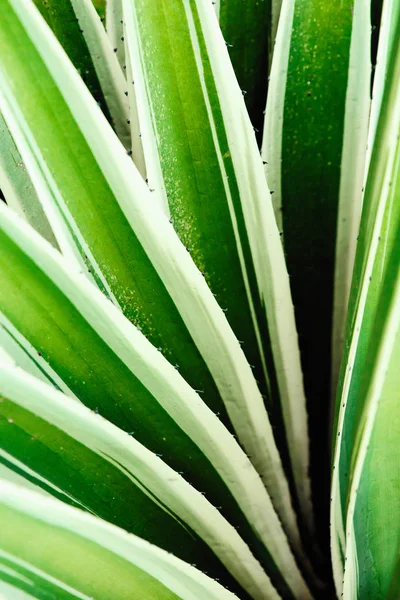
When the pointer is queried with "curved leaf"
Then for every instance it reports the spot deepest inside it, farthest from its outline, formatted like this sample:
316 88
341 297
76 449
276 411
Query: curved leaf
132 250
112 368
79 30
71 554
309 133
213 178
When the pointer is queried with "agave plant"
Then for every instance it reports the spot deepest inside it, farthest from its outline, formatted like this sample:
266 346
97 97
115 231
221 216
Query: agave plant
196 353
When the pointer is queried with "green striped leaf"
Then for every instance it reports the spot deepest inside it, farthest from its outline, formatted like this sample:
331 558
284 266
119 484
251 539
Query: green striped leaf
371 295
249 29
113 369
201 153
26 356
70 452
314 146
100 7
71 554
115 28
133 253
17 187
381 13
372 531
352 169
79 30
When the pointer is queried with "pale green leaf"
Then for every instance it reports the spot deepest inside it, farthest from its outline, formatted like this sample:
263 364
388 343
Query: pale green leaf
70 554
135 256
17 187
83 37
62 447
374 274
314 148
113 369
202 155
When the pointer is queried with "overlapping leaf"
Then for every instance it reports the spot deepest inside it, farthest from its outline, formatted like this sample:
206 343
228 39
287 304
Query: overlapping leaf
134 255
70 554
314 148
363 380
203 162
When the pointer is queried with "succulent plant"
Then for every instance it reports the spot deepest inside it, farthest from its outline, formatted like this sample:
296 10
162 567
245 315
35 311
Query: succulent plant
199 299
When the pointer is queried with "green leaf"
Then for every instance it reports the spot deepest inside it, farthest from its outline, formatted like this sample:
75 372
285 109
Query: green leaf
372 287
113 369
100 7
352 169
314 149
135 256
115 28
26 356
17 186
249 29
79 30
70 554
75 455
201 154
373 533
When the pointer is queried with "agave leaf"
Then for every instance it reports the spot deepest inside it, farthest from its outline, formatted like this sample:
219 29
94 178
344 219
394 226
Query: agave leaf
310 138
115 28
249 29
46 193
387 36
113 368
134 254
77 456
137 134
218 198
100 6
71 554
352 168
82 35
26 356
372 530
369 302
17 187
17 476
